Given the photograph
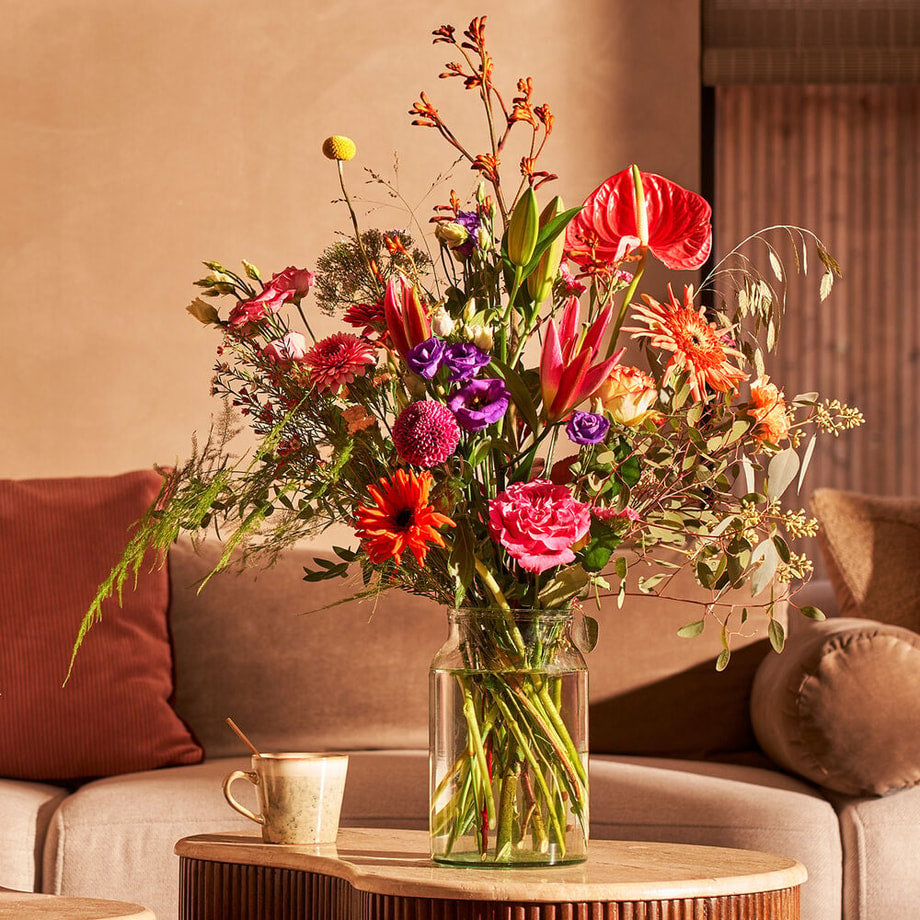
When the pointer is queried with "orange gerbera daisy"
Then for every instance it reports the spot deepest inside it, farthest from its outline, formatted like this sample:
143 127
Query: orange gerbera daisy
699 347
401 518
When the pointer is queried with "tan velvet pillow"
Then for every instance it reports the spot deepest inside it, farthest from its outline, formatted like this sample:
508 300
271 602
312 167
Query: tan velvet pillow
871 546
58 540
841 706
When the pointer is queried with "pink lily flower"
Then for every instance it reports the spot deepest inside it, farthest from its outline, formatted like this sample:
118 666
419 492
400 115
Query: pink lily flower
407 321
569 371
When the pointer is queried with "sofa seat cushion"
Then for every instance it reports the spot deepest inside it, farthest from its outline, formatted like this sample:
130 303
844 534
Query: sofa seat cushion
114 837
881 846
26 809
751 808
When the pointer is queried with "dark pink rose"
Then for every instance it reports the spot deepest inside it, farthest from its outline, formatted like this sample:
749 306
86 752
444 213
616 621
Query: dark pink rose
538 523
246 313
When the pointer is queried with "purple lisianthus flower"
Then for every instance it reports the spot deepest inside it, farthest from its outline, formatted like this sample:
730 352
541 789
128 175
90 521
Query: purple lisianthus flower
587 428
469 220
464 360
425 359
479 403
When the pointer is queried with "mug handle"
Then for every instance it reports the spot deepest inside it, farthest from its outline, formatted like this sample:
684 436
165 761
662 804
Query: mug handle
232 802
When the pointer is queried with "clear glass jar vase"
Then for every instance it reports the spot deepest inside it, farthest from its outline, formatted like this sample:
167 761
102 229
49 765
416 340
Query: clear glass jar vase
509 741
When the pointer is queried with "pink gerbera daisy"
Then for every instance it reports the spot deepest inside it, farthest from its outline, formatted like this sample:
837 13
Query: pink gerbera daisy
699 347
338 359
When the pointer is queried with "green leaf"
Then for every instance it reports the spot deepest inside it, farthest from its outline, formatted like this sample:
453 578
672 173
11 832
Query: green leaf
349 555
597 553
585 632
782 548
765 553
781 472
327 569
692 630
813 613
648 585
806 459
519 393
777 635
480 451
563 587
723 659
462 557
621 567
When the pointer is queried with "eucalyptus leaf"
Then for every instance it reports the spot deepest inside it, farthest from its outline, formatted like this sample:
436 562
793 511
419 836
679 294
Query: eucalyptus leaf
781 471
777 635
585 632
813 613
563 587
692 630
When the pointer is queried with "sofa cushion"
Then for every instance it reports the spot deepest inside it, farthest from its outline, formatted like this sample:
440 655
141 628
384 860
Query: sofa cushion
722 805
881 855
26 809
871 545
114 838
295 677
59 539
841 706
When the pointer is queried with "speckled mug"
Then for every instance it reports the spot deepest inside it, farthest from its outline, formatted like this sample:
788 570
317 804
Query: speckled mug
300 796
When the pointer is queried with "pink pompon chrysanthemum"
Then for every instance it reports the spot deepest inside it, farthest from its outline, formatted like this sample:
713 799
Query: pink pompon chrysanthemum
338 359
426 433
699 347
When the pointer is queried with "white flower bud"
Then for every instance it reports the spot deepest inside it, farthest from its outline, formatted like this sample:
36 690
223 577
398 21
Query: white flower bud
442 324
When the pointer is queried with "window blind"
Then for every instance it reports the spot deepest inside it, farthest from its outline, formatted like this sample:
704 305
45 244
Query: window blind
810 41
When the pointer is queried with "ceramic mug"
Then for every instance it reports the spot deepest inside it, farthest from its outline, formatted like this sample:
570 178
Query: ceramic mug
299 795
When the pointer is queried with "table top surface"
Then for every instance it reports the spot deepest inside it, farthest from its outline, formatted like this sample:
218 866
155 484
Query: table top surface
396 862
22 905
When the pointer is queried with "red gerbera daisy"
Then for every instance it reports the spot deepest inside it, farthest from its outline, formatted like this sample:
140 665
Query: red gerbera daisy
368 317
699 347
338 359
401 518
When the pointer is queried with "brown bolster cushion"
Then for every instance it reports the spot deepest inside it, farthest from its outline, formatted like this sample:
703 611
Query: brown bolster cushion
841 706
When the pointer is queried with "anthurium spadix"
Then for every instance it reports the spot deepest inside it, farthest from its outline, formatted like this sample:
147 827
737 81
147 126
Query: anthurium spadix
407 321
569 370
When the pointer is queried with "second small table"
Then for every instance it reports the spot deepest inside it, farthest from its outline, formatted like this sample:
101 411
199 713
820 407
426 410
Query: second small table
373 874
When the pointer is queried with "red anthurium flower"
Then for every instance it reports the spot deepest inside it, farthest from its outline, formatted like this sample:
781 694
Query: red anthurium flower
568 372
407 321
674 224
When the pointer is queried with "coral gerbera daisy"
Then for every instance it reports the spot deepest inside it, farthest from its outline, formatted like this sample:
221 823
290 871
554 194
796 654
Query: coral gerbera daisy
401 518
699 347
338 359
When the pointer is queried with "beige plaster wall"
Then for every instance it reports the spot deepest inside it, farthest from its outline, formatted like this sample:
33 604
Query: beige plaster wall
141 136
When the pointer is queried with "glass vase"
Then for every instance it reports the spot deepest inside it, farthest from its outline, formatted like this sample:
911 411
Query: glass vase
509 741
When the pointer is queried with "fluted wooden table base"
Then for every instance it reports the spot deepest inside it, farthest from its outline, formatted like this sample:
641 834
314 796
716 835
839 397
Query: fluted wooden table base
384 875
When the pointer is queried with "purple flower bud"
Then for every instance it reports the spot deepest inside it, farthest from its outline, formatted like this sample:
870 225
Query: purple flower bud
425 359
469 220
464 360
587 428
479 403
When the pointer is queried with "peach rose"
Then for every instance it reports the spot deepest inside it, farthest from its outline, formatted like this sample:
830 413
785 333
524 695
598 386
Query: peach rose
768 408
628 395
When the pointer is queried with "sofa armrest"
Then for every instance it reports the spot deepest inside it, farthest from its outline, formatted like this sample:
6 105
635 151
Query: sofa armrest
841 706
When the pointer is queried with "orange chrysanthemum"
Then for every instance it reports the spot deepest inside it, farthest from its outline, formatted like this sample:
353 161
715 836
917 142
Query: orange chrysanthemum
698 346
401 518
768 407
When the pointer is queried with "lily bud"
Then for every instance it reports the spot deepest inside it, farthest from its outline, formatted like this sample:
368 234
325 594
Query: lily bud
540 281
523 229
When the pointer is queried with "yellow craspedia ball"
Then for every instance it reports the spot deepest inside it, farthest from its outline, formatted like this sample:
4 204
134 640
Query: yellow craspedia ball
339 147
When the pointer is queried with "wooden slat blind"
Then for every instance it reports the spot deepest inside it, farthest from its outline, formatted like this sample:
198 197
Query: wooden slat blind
845 162
810 41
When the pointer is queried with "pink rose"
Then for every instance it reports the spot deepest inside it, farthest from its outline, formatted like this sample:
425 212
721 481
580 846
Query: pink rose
293 282
290 347
538 523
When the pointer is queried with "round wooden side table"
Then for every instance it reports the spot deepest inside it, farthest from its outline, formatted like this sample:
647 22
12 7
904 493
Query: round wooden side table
24 905
379 874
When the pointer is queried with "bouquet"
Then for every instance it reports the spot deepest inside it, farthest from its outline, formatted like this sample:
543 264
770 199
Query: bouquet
506 423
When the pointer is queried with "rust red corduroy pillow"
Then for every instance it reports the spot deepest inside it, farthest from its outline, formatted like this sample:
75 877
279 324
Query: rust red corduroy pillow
58 540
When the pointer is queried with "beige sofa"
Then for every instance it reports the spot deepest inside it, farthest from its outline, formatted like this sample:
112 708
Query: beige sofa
674 756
